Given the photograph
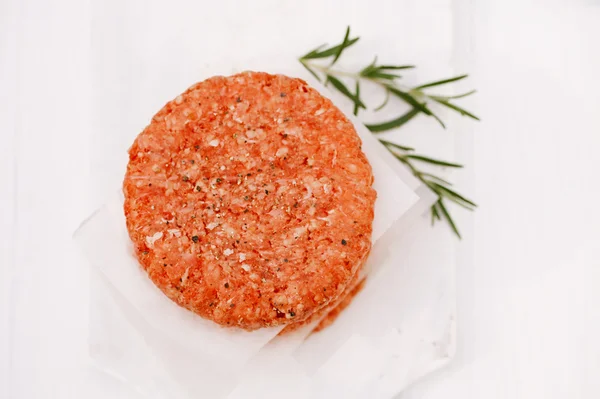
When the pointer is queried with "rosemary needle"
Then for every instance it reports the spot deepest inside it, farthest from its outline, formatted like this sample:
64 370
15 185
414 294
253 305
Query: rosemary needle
418 98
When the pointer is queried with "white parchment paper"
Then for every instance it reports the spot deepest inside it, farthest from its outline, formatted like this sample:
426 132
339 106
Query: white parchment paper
105 242
146 52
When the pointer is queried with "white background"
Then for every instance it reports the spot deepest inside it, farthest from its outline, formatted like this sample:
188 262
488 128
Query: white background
528 268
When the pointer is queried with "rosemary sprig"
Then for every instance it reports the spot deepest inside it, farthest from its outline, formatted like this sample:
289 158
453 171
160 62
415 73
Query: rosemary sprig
419 99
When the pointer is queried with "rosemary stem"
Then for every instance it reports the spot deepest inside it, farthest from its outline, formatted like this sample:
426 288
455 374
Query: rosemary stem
332 71
356 76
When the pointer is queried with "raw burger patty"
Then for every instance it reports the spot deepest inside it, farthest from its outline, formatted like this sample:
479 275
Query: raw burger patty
249 201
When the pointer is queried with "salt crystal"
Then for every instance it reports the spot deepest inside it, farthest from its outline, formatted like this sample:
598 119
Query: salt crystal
152 239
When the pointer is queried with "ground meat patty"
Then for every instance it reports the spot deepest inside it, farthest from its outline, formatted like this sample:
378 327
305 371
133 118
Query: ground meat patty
249 200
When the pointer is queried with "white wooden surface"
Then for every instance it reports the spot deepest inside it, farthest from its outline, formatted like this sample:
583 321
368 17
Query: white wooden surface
529 267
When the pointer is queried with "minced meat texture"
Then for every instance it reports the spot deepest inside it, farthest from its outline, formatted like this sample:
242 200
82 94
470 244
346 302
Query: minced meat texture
249 200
